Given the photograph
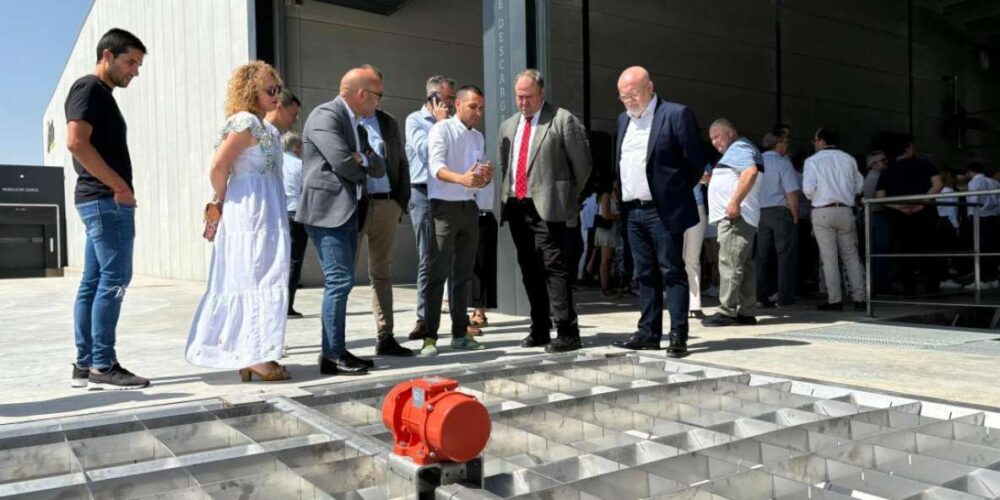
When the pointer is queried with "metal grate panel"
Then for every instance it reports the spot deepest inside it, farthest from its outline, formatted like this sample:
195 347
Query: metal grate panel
887 336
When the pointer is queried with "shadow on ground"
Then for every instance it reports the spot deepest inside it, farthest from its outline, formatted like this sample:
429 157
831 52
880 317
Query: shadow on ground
85 400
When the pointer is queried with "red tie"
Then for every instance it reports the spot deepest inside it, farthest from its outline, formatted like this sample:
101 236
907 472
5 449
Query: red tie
521 182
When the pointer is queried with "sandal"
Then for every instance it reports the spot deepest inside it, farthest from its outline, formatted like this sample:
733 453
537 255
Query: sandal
479 320
271 372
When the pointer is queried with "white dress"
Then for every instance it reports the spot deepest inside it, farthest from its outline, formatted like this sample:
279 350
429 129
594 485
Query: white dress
241 319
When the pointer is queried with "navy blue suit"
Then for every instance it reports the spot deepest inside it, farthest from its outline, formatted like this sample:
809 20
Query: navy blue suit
675 162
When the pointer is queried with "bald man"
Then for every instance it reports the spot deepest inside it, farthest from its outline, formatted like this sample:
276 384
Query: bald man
336 161
658 160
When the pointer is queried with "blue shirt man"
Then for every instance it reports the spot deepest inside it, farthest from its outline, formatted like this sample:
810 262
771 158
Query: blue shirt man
778 180
439 105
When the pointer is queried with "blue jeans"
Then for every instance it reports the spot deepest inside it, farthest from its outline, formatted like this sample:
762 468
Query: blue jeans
423 230
659 263
335 247
107 271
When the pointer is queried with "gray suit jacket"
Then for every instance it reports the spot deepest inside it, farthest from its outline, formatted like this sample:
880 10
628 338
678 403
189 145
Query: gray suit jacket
397 167
330 175
559 163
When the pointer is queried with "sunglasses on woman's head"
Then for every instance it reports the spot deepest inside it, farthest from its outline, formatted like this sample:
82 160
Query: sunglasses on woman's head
273 90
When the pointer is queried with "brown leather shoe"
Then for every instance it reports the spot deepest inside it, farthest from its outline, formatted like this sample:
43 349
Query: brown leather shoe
419 331
473 331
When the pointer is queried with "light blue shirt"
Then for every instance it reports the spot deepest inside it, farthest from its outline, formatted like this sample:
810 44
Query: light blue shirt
989 204
376 184
777 180
739 156
291 176
418 125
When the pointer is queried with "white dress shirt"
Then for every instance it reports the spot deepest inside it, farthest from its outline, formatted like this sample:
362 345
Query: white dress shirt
456 147
831 176
635 146
515 151
291 171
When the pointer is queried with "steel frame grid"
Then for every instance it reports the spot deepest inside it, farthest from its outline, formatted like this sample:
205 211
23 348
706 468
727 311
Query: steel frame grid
568 426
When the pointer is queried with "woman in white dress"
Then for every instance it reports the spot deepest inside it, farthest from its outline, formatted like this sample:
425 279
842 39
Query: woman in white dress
240 322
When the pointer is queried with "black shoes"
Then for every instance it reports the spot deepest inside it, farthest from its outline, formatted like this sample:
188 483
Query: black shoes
367 363
116 378
345 364
80 377
836 306
564 344
532 341
419 330
677 349
718 319
387 346
638 342
293 314
696 314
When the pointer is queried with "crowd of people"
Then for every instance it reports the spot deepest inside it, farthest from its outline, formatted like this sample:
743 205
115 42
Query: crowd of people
668 215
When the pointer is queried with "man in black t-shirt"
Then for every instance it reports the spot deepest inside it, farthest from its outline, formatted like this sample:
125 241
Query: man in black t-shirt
104 198
911 224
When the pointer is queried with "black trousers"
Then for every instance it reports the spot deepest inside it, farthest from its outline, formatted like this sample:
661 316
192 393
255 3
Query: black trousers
541 255
300 240
915 234
808 257
777 235
484 277
989 242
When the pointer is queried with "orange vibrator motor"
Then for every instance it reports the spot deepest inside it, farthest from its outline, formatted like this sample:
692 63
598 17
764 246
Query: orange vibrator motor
432 422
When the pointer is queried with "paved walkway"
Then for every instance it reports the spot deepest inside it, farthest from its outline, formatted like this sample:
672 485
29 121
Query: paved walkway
36 348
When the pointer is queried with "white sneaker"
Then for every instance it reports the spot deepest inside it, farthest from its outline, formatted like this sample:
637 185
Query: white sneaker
429 349
950 285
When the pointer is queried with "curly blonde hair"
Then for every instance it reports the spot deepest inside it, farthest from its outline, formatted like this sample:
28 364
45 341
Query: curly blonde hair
241 93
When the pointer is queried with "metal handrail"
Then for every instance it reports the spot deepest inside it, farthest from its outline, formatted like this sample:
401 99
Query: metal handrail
919 197
976 253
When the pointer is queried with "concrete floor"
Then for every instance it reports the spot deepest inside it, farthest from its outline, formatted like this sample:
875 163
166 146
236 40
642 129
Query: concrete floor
36 347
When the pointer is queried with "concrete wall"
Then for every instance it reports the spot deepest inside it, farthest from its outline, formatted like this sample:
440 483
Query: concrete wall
174 109
424 38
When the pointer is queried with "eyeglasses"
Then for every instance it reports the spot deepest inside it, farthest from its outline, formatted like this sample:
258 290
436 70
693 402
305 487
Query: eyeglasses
629 97
378 95
273 90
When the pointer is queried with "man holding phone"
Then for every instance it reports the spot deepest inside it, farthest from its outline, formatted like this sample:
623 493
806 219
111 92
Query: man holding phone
439 106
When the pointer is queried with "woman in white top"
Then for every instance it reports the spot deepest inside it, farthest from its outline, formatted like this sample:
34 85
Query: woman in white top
240 322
